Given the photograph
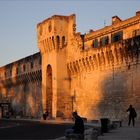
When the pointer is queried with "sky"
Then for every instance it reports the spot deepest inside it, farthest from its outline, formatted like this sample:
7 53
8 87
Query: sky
18 20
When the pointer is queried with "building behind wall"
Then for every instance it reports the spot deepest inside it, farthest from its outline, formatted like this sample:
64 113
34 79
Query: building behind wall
95 73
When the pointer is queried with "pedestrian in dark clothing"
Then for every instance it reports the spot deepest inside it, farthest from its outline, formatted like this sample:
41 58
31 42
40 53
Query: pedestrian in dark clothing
79 124
45 115
78 127
132 115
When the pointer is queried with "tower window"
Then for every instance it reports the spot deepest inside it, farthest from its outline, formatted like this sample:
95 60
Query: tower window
95 43
117 36
53 42
104 41
57 41
63 41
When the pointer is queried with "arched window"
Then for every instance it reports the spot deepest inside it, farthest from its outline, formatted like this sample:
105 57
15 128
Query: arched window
53 42
57 41
63 41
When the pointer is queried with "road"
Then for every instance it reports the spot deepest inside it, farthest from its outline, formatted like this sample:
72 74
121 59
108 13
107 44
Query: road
17 129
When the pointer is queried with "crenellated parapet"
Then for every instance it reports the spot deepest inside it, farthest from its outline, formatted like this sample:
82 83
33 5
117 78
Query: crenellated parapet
120 53
20 83
52 44
52 33
111 46
21 72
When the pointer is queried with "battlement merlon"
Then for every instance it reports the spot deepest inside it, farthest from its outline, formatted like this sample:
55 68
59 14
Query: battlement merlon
53 33
57 24
56 16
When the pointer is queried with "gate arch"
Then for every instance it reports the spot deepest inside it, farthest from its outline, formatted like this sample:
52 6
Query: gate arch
49 93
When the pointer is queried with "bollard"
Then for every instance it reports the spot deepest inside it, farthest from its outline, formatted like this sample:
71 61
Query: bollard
104 125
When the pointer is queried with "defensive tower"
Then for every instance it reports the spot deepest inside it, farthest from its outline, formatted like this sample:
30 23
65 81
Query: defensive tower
52 39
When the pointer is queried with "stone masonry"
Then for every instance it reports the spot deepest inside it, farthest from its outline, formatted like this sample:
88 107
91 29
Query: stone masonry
95 73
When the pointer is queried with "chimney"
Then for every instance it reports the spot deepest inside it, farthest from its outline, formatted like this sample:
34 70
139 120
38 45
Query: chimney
138 13
83 43
115 19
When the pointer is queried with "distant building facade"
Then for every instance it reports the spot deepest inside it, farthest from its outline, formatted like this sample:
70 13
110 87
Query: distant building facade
96 74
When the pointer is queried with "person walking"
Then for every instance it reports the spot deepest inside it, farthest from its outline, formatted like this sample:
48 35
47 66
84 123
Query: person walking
132 115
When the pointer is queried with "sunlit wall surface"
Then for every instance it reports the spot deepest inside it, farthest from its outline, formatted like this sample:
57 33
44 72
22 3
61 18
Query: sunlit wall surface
20 85
96 74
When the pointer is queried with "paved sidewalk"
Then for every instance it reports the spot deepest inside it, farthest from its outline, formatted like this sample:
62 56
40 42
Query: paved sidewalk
123 133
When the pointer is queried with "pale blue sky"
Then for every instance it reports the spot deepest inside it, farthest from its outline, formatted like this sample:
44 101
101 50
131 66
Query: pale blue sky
18 20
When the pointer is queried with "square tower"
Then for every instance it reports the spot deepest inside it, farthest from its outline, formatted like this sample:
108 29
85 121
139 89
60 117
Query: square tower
52 40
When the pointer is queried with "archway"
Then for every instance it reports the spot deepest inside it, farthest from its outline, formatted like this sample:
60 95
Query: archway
49 93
